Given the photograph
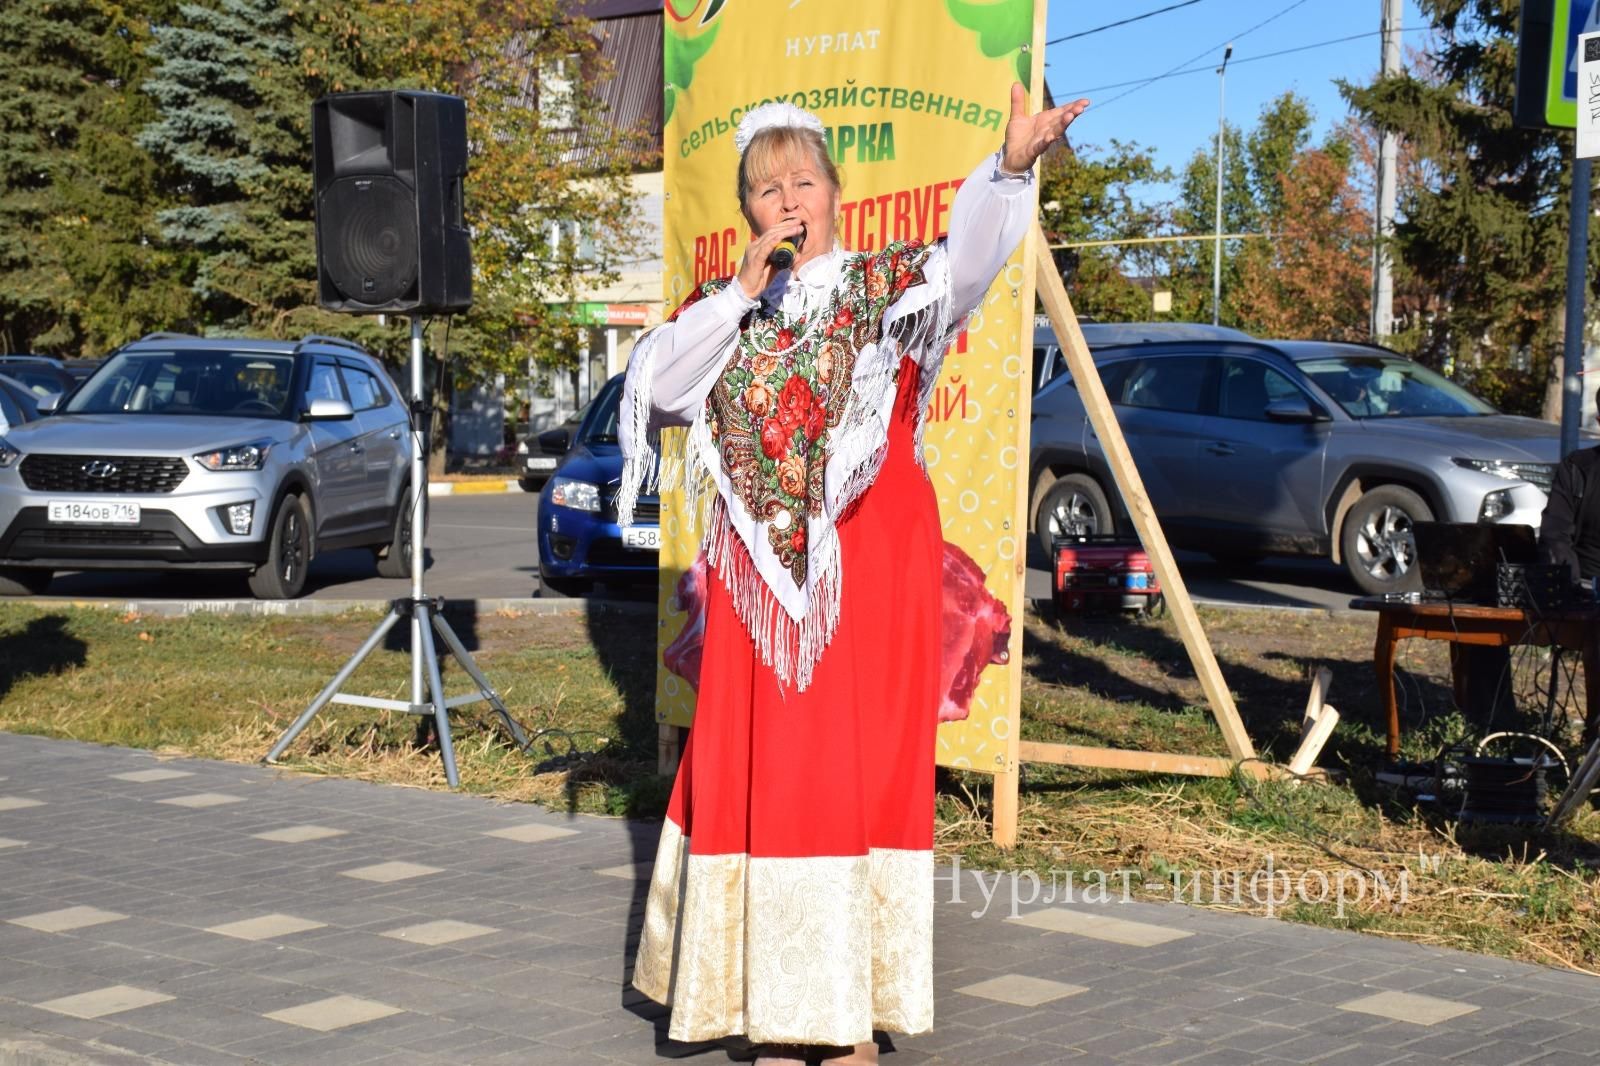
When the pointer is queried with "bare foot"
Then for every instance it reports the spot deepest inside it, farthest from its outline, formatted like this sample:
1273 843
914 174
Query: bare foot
860 1055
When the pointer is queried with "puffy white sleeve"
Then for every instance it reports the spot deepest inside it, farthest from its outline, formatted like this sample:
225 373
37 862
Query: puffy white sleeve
670 373
990 216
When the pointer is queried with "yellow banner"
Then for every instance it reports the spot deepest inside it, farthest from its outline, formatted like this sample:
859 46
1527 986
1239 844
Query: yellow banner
913 95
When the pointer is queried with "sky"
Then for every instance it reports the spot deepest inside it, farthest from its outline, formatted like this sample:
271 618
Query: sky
1177 115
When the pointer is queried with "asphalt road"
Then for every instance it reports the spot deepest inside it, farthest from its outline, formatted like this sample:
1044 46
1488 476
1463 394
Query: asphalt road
483 547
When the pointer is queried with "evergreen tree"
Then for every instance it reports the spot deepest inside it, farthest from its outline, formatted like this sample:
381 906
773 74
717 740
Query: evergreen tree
80 266
1485 237
233 131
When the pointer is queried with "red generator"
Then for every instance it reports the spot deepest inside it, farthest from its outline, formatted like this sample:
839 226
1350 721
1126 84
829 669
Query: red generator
1104 575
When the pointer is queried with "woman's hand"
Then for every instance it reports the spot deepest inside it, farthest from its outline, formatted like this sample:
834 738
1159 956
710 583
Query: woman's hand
755 272
1027 136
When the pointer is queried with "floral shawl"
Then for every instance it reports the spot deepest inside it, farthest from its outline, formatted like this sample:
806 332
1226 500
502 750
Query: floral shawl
794 430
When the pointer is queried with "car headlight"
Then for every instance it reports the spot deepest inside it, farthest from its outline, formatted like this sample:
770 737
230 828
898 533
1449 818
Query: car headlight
8 454
578 495
522 447
249 456
1538 474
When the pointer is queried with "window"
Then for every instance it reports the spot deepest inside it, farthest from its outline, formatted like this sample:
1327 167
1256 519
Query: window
1173 383
1248 386
324 383
364 391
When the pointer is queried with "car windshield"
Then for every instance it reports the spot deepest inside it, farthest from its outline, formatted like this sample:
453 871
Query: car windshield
608 408
39 380
1380 386
195 382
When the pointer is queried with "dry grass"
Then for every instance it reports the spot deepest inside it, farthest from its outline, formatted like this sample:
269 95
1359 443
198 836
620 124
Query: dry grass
226 687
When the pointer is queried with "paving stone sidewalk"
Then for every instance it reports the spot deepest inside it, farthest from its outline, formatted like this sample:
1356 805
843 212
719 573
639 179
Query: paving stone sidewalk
200 913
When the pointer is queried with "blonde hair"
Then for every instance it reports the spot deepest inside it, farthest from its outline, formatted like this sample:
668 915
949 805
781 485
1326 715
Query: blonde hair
774 146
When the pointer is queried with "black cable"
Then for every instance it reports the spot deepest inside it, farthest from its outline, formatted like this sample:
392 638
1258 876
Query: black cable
1122 22
1202 55
1207 68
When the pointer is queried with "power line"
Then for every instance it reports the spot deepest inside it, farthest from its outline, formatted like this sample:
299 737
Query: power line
1123 22
1208 51
1236 62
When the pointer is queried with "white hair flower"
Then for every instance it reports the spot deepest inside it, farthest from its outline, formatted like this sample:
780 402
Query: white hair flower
768 116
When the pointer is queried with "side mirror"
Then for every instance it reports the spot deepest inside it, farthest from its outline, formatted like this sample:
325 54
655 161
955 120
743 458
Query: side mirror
49 405
324 410
555 441
1294 409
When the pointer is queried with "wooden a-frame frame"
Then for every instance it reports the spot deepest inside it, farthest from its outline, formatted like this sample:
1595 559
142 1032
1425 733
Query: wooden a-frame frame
1057 305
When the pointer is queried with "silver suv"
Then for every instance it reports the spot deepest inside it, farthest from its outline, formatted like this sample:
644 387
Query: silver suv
189 453
1251 448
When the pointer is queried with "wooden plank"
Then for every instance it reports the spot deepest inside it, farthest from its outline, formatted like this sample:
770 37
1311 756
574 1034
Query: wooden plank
669 748
1008 780
1087 379
1319 692
1007 803
1154 762
1311 746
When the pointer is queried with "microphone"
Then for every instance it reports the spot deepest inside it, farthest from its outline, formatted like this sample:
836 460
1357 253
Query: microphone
783 253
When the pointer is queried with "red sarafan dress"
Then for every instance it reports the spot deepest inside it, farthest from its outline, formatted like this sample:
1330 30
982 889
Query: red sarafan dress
792 895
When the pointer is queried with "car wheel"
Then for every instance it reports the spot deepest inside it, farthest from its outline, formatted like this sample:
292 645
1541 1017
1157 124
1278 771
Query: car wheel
283 575
394 558
1074 506
23 581
1376 542
528 484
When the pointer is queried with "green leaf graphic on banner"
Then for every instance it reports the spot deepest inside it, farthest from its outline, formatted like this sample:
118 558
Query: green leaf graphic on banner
681 55
1002 26
711 11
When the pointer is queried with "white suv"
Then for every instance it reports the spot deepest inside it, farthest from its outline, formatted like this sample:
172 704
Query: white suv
190 453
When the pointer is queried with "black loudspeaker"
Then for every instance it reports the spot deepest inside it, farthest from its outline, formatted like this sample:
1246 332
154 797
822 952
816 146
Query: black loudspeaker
387 169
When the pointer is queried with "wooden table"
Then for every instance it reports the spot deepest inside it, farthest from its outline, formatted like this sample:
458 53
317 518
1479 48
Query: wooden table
1467 627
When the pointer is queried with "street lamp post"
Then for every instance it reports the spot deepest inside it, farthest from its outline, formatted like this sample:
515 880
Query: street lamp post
1216 253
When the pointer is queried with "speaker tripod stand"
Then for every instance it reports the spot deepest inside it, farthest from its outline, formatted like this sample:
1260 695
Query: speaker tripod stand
426 617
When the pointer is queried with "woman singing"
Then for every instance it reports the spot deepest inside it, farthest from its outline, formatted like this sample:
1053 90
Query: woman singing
792 898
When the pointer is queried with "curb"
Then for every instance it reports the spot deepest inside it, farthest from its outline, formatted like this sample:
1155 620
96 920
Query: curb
323 608
472 488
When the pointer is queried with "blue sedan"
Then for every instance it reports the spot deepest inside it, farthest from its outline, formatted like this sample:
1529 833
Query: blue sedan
580 542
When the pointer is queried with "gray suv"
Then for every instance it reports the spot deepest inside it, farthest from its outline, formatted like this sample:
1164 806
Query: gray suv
188 453
1250 448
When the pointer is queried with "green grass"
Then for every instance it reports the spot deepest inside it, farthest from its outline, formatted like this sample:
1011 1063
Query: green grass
226 687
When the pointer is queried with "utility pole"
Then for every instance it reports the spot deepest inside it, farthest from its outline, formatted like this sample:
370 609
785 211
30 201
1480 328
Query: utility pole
1577 284
1216 254
1382 260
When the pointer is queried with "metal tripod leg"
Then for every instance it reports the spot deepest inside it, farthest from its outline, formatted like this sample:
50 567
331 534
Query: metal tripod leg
333 686
489 694
441 710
